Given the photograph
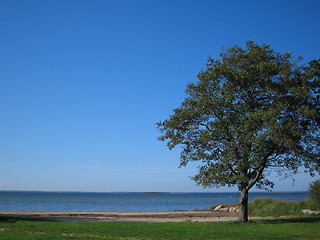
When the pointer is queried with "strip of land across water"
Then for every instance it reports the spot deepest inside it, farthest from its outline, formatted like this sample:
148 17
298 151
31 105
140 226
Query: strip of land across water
192 216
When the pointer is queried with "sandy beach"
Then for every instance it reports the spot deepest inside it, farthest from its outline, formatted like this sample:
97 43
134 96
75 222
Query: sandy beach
183 216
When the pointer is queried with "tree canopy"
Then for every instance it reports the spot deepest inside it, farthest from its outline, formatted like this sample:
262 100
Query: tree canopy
253 111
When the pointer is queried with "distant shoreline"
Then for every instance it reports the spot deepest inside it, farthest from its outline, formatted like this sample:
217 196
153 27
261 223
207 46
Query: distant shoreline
151 193
214 192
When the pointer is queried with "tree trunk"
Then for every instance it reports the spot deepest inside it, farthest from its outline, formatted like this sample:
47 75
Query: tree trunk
243 214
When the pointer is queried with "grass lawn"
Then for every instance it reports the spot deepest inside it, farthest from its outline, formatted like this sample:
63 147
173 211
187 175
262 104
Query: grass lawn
291 228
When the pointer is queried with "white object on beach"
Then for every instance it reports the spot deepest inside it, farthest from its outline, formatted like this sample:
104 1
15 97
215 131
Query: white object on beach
310 212
218 208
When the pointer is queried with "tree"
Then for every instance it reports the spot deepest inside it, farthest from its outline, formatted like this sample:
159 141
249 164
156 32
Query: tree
252 112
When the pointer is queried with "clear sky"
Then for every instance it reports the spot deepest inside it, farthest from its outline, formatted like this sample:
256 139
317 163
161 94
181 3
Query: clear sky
82 84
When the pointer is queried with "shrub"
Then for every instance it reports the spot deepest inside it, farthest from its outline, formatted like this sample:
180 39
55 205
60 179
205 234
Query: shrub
276 208
315 194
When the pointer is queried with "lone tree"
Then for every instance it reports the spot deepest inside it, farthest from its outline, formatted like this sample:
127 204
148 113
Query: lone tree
252 112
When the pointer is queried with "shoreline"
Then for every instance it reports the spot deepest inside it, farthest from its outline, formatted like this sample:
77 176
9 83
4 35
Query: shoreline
181 216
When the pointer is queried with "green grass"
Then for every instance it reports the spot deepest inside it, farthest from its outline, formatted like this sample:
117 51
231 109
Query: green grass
275 208
290 228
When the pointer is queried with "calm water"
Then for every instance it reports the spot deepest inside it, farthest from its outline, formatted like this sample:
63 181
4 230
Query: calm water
155 202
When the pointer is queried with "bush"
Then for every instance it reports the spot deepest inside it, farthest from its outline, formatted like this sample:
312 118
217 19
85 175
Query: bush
315 194
274 208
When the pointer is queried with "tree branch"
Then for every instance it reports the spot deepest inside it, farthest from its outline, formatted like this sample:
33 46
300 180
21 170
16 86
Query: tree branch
260 171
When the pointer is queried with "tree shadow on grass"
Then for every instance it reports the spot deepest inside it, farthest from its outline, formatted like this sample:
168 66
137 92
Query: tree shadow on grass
292 220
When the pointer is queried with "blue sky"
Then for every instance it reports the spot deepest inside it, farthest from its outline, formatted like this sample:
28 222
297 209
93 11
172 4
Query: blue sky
82 84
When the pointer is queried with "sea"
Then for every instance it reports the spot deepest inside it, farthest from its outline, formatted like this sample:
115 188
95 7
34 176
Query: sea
105 202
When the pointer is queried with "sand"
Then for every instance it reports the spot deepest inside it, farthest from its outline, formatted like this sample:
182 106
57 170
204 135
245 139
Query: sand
183 216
